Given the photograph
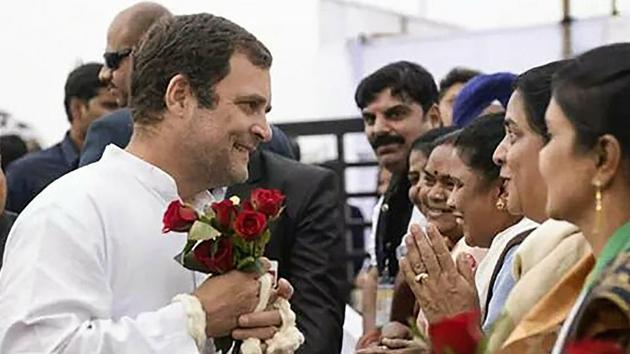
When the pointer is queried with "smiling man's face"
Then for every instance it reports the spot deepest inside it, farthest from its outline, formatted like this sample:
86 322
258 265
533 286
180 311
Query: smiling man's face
220 139
391 124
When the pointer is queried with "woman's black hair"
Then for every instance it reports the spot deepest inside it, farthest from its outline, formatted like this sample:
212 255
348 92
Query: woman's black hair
534 85
476 143
594 94
425 143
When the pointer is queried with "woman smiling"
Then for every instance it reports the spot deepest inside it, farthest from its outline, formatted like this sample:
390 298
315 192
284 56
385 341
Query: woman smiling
590 147
553 248
477 199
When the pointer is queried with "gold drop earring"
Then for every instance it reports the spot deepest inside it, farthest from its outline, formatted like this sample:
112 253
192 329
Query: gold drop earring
598 208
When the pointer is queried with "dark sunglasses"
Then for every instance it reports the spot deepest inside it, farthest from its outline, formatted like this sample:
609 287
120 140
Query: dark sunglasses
113 59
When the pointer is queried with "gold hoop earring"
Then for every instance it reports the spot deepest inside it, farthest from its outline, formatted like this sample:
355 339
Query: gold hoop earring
599 207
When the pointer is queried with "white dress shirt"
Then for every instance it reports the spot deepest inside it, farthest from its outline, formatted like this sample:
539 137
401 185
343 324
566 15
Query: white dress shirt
88 270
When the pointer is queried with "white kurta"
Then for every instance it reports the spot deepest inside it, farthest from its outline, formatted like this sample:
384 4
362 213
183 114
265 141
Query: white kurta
88 270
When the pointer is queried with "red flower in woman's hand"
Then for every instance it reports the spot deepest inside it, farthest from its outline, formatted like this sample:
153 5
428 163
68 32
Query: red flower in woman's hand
178 217
268 201
250 224
458 334
216 255
590 346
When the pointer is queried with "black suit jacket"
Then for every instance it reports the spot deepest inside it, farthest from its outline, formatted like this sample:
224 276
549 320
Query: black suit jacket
308 244
393 220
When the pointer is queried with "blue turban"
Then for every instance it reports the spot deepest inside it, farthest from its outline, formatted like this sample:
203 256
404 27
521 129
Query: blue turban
479 93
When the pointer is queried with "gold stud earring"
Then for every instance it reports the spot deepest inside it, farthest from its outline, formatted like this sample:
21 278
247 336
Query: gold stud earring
598 208
500 204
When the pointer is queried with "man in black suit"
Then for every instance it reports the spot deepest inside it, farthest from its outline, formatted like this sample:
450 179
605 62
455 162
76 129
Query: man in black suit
307 242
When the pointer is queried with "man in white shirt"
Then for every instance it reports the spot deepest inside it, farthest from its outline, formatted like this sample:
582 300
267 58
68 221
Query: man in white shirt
86 267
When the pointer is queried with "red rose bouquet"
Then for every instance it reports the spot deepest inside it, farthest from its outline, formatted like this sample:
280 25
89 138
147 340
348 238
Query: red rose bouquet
228 235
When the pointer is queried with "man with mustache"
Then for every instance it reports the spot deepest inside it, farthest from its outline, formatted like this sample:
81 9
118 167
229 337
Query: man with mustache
398 103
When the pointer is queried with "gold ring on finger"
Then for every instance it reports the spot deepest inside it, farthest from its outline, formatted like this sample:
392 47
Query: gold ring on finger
421 277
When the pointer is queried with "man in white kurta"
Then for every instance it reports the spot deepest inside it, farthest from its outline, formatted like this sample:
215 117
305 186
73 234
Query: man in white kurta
86 267
88 270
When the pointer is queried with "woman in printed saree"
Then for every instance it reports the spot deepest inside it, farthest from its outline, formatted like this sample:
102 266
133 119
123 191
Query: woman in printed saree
586 167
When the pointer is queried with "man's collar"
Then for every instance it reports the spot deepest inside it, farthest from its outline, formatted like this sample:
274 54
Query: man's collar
151 176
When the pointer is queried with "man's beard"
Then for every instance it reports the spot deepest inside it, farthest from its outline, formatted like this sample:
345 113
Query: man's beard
223 171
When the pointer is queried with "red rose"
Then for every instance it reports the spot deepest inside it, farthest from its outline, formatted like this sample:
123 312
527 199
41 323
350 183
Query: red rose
225 211
267 201
250 224
468 333
217 255
178 217
247 205
589 346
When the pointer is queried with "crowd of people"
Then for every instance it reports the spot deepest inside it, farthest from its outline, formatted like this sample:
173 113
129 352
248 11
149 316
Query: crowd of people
510 213
503 205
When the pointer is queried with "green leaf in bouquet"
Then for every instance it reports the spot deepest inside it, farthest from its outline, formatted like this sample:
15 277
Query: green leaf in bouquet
251 264
241 245
201 231
265 238
260 243
223 344
190 244
207 216
245 263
